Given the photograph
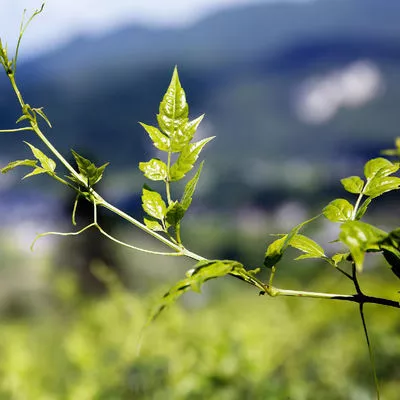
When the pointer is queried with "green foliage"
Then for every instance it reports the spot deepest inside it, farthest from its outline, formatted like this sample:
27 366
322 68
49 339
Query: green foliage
89 173
174 138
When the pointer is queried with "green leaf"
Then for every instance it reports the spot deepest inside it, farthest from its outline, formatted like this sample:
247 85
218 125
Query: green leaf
195 278
392 256
308 246
379 167
47 163
174 110
187 158
153 204
360 237
175 213
340 257
353 184
153 224
17 163
155 169
276 249
190 188
88 171
36 171
42 114
363 208
339 210
160 141
380 185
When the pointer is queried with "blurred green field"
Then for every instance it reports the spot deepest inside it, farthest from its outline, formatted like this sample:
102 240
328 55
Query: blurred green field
227 343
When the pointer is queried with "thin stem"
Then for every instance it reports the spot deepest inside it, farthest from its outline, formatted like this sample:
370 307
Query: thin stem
356 205
159 253
167 182
370 351
27 128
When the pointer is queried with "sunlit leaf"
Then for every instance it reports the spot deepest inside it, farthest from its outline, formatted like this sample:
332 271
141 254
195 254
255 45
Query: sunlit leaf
195 278
379 167
340 257
17 163
353 184
47 163
187 158
153 224
155 169
380 185
360 237
153 204
339 210
36 171
190 188
276 249
160 140
308 246
174 110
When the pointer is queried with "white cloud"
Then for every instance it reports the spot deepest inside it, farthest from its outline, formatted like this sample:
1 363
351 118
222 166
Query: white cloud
319 98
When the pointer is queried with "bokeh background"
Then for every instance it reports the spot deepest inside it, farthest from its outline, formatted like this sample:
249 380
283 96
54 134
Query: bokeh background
299 94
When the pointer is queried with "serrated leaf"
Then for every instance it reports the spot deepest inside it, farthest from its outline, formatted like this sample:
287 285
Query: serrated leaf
380 185
18 163
195 278
153 204
159 139
276 249
87 170
353 184
360 237
175 213
363 208
153 224
190 188
155 169
338 210
47 163
174 110
308 246
379 167
187 158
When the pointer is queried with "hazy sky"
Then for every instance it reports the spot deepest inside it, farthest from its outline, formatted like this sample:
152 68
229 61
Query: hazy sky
63 19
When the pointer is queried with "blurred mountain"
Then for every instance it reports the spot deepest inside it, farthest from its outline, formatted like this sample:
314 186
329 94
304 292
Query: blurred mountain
295 92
